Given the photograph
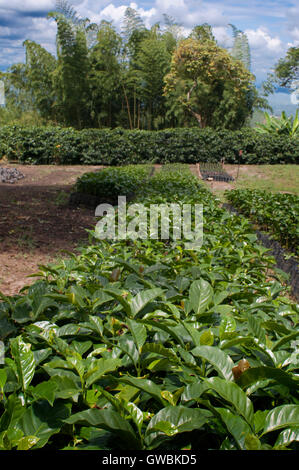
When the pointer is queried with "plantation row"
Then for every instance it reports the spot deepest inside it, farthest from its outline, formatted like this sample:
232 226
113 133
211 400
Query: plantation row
147 345
54 145
274 212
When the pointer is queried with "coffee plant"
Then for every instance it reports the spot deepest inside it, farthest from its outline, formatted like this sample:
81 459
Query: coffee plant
144 344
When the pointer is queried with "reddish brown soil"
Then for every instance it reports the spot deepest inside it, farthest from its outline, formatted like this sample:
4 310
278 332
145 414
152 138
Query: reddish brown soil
36 222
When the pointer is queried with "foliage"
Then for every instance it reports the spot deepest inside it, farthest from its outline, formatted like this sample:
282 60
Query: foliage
146 345
113 181
101 78
286 71
283 125
241 50
277 213
55 145
212 86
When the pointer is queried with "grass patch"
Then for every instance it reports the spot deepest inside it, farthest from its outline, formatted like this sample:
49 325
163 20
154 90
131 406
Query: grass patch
275 178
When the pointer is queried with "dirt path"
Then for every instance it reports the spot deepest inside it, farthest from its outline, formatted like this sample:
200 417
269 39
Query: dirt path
36 223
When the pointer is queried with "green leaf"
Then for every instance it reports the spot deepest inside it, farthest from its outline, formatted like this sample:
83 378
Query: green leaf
136 414
259 420
109 420
27 442
120 296
233 394
127 345
200 294
102 367
42 421
193 332
145 385
219 359
66 387
285 339
287 436
138 332
255 327
207 338
143 298
194 391
235 425
24 360
255 374
12 414
45 390
227 326
173 420
161 351
94 324
283 416
3 378
163 325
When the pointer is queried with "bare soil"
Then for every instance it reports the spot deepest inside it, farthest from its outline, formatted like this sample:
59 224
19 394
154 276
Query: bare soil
36 223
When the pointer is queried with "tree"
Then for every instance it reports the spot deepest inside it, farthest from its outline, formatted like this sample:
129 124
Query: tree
241 50
285 72
40 67
132 22
105 75
153 62
71 74
203 33
209 83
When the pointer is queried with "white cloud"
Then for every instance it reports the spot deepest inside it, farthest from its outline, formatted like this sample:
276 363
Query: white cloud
260 39
222 36
27 5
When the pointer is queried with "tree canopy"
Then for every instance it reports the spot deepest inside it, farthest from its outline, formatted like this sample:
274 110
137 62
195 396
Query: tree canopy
138 77
209 83
285 72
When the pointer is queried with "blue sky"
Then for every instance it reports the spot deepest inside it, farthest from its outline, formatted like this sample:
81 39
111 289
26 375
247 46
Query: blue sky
272 26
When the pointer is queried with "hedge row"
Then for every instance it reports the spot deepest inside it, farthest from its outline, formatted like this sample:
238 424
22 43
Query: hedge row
48 145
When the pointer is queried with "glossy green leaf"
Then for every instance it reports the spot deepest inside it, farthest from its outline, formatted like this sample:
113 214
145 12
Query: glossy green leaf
109 420
217 358
283 416
235 425
255 374
255 326
227 326
194 391
207 338
3 378
46 391
145 385
173 420
138 332
142 299
234 395
27 442
287 436
42 421
102 366
284 340
160 350
24 360
201 294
